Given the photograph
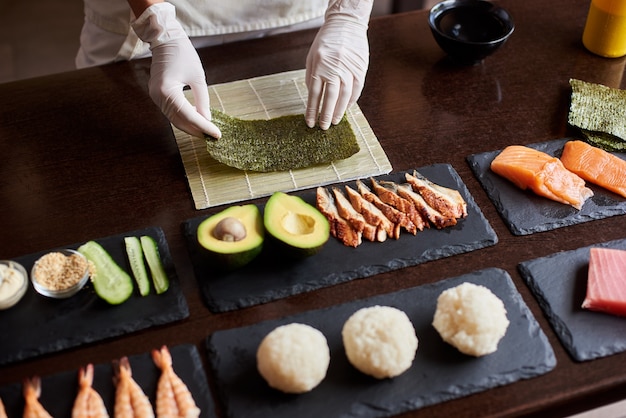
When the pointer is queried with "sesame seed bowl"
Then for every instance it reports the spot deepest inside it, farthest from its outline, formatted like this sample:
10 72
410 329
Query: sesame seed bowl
60 274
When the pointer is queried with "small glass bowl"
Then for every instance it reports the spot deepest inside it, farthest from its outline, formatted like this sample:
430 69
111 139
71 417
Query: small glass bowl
65 292
21 290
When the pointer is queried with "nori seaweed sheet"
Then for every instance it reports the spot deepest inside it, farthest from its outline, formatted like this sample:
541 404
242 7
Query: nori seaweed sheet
600 113
605 141
279 144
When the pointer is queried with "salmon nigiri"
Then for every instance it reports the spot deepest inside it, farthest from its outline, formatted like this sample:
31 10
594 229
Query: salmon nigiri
595 165
606 283
542 173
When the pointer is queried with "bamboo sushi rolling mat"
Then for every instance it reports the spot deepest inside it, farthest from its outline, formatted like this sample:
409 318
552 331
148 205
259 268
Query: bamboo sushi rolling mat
213 183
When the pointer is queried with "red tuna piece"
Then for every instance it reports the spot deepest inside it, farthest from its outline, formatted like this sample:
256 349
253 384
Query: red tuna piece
606 283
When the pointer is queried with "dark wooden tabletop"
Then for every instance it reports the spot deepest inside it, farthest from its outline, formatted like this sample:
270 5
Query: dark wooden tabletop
85 154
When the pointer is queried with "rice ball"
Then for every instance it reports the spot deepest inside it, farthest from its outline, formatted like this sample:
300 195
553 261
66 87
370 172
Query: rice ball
471 318
293 358
380 341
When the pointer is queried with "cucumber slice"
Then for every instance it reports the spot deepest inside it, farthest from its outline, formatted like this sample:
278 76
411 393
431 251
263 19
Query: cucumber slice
151 252
110 281
137 265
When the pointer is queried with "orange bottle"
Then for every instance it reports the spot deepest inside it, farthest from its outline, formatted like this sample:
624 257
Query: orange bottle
605 30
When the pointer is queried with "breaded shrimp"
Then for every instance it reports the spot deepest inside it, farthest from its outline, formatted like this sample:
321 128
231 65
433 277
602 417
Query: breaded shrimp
130 400
3 412
174 400
123 407
32 406
88 403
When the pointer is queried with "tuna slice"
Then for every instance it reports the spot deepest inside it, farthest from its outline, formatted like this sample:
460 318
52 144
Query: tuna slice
545 175
606 283
596 166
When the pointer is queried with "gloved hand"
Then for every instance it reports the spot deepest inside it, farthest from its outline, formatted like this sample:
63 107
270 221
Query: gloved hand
175 64
337 62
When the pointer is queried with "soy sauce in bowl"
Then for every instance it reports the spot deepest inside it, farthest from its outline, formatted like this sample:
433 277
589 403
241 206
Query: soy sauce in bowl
470 30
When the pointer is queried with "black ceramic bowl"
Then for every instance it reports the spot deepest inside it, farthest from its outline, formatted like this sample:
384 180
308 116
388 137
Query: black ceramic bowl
470 30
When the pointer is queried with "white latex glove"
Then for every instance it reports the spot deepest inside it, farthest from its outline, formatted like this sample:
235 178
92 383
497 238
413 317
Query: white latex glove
337 62
175 64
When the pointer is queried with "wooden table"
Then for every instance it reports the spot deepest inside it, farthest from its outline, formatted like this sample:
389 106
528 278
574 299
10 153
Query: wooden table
86 154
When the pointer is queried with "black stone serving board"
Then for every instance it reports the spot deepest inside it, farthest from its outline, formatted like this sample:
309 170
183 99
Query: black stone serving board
271 276
527 213
38 325
439 371
58 391
559 282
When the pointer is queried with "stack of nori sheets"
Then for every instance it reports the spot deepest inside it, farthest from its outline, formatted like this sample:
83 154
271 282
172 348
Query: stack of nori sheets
600 113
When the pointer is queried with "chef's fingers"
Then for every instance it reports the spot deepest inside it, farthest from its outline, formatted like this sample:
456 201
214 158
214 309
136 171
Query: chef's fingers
186 118
343 101
357 89
209 128
315 86
202 101
332 90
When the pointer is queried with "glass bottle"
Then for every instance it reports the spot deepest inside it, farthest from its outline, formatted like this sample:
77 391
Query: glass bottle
605 29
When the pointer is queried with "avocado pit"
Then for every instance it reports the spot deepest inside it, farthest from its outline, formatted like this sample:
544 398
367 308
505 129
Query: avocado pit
230 229
232 237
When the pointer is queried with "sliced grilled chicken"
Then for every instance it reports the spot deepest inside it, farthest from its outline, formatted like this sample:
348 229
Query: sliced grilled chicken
372 214
354 218
445 200
388 193
399 219
339 227
434 216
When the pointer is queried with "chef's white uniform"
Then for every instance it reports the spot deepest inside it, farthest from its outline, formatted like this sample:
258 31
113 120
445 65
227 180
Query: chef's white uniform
107 35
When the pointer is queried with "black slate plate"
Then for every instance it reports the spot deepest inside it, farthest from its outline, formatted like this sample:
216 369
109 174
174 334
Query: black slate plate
525 212
38 325
439 372
270 276
559 282
58 391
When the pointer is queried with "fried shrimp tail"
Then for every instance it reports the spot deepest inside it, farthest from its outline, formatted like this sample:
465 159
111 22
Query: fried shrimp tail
32 406
173 397
88 403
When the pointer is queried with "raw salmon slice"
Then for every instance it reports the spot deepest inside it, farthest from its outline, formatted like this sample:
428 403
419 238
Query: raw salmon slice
542 173
606 282
595 165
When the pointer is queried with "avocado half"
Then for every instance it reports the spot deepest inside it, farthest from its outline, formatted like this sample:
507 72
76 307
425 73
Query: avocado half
300 228
232 237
